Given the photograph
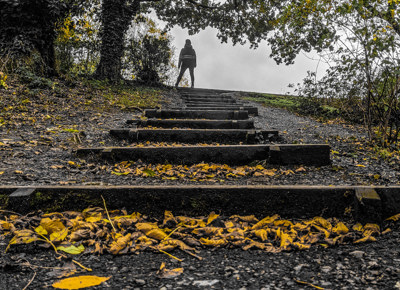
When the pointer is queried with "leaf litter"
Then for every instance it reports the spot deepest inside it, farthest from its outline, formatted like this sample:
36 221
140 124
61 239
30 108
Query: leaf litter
198 172
100 231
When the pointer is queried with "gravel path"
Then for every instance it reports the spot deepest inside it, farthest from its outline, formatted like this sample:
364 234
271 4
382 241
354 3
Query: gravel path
40 155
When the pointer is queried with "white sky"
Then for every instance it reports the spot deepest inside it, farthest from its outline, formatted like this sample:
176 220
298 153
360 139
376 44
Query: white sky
224 66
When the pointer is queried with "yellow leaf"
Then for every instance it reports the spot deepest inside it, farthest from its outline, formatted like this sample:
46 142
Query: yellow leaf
209 231
265 221
322 222
22 237
286 239
213 242
120 244
165 273
268 172
360 165
157 234
72 249
4 225
370 229
40 230
177 243
301 246
262 234
59 236
229 224
94 219
79 282
168 216
1 172
340 229
52 226
212 217
300 169
287 172
18 171
249 218
283 223
146 227
394 218
365 239
358 227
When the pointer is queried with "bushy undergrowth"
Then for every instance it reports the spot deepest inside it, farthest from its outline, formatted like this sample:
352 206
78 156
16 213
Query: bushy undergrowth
307 106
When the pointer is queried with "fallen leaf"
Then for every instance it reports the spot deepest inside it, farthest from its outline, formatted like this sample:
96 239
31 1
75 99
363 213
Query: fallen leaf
79 282
212 216
394 218
120 244
73 250
165 273
340 229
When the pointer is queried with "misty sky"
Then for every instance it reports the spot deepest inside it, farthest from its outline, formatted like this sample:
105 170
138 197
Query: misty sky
224 66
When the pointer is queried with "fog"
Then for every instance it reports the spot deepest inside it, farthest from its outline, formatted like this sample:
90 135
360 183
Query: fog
224 66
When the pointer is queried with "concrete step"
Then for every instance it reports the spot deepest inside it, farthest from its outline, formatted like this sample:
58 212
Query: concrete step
368 204
250 110
197 114
195 124
313 154
210 100
189 97
225 136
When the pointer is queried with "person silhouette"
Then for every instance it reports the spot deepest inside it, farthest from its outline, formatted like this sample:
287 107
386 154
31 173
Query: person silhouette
187 60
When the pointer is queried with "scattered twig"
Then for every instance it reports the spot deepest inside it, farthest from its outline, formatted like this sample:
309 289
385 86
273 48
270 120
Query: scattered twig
105 207
171 256
83 267
172 233
30 281
9 211
194 255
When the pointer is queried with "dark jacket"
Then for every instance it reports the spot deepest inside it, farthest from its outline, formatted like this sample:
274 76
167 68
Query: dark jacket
187 56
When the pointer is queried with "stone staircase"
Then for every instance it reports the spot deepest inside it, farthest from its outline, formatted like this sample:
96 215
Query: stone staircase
213 118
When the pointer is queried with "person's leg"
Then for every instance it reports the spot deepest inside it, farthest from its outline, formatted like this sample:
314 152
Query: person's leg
183 69
191 70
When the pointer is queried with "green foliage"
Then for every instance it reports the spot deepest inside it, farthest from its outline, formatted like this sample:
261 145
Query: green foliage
77 44
360 40
148 52
3 79
34 81
28 25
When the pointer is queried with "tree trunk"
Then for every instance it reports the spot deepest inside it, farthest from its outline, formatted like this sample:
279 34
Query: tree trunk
116 17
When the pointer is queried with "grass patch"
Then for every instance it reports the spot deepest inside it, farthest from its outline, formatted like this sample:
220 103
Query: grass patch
287 102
